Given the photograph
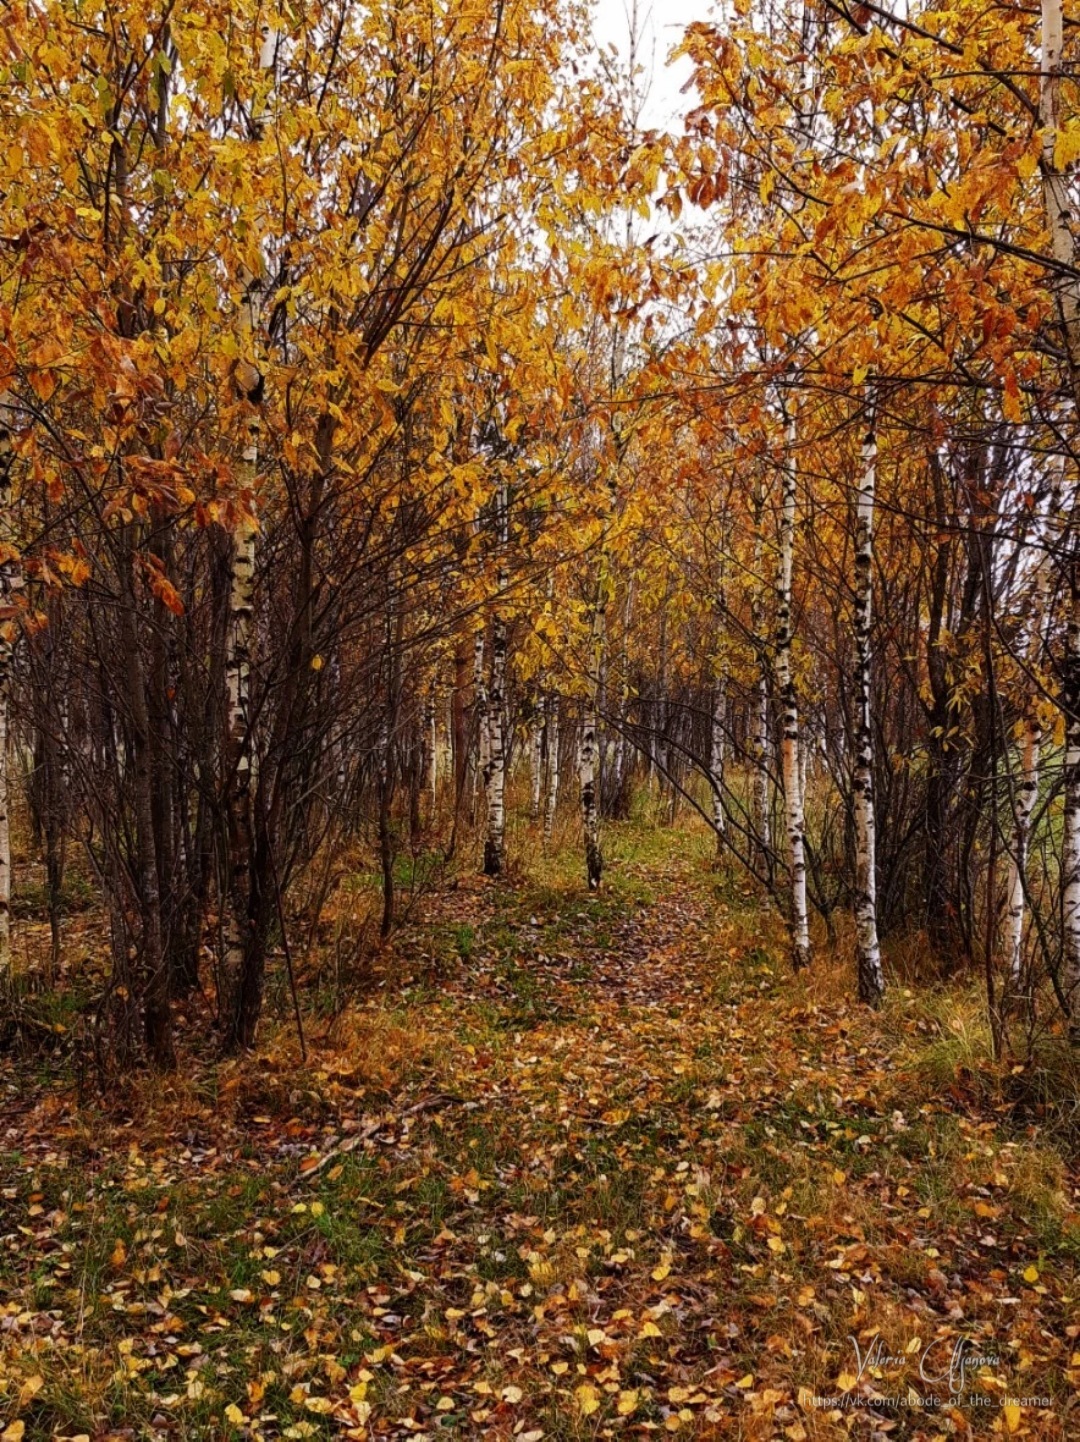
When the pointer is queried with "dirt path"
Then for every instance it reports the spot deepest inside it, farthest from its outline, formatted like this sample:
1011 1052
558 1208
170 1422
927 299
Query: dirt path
579 1167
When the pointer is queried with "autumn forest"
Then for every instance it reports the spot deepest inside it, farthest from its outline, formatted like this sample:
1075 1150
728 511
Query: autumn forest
539 721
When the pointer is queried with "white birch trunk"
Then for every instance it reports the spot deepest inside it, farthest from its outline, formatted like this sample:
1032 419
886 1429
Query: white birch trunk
238 658
789 744
536 760
1059 218
495 773
1071 845
1066 290
1027 792
481 707
587 758
551 798
760 811
8 582
868 952
716 759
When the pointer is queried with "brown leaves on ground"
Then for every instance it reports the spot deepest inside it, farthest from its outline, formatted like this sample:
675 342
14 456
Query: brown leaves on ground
578 1168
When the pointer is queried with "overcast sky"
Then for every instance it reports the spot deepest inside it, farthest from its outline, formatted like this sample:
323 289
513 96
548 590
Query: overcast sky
661 23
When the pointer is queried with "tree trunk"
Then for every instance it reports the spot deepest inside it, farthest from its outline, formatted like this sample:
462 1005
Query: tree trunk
536 760
718 742
551 796
153 971
1071 846
590 811
789 744
759 746
868 952
7 646
495 841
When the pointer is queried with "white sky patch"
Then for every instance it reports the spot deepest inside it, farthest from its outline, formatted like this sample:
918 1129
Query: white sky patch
661 24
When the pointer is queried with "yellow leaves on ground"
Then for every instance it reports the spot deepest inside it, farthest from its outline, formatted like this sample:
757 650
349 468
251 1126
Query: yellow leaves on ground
587 1399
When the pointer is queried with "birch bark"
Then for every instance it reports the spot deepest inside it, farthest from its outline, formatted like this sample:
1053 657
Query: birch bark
8 581
1027 790
495 842
760 731
587 758
536 760
1066 291
551 797
868 951
789 743
235 912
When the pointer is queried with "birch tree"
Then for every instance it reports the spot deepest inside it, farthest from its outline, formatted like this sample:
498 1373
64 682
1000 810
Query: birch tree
867 949
551 793
761 810
495 709
589 751
789 708
8 633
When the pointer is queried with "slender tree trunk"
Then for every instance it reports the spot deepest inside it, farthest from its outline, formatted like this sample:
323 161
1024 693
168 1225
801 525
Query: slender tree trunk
7 647
495 842
1055 184
495 774
760 810
716 759
536 760
789 744
1066 290
432 749
1027 790
868 952
1071 847
551 796
154 976
1027 794
587 759
236 910
480 707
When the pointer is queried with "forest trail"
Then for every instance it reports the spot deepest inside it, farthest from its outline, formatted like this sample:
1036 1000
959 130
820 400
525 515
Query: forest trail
580 1166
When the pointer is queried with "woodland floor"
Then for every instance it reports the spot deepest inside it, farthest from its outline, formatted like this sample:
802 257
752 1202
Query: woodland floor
575 1167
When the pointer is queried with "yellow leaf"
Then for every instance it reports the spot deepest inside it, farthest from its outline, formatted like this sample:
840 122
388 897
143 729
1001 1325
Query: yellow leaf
320 1405
13 1432
234 1415
119 1254
839 1177
1031 1274
588 1399
1012 1414
648 1329
627 1403
846 1381
746 1382
513 1395
271 1278
29 1390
